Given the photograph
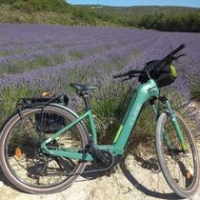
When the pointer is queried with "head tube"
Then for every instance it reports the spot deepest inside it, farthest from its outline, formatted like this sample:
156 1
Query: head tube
153 88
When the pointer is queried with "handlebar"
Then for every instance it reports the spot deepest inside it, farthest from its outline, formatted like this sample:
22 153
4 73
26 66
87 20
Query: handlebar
169 58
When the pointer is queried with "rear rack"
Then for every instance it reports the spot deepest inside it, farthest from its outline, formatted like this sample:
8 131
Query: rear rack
42 101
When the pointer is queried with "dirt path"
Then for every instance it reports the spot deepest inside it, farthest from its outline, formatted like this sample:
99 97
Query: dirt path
134 179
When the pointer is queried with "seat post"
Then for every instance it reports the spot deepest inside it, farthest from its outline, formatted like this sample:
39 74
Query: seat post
84 94
86 101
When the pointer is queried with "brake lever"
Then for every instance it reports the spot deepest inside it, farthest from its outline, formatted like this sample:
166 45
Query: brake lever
125 79
177 57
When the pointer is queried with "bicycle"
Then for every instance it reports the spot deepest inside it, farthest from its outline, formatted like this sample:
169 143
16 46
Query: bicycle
45 145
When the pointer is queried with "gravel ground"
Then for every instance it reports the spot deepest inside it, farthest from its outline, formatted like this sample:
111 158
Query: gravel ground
133 179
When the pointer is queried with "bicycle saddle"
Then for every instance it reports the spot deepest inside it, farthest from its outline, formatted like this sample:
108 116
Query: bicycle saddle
81 87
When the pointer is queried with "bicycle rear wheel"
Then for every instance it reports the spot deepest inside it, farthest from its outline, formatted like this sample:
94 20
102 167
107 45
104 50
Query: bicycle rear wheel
22 159
180 168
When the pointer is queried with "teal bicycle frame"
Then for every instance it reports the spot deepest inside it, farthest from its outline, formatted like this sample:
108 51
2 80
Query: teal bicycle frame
144 92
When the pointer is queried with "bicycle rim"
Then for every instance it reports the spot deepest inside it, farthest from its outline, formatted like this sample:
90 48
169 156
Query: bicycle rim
180 168
22 160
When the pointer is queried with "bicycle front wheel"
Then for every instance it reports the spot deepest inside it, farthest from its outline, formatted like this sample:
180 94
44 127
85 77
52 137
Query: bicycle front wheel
21 156
180 166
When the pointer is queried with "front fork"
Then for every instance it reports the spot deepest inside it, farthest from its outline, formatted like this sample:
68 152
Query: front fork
179 133
174 120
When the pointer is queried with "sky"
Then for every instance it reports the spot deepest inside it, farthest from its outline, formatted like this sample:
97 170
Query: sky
185 3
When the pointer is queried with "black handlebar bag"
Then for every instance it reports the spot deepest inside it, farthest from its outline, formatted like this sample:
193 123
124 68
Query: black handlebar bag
164 74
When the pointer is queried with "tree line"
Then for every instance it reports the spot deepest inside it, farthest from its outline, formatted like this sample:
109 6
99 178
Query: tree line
176 22
158 18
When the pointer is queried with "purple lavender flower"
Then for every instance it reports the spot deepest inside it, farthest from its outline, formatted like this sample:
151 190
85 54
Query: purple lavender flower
86 54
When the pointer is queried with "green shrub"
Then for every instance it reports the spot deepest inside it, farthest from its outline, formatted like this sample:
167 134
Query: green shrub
41 5
9 98
194 85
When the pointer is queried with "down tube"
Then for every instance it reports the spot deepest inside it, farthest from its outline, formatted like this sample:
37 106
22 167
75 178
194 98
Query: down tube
144 92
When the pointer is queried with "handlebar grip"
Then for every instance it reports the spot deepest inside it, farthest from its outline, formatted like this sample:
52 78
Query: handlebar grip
182 46
118 75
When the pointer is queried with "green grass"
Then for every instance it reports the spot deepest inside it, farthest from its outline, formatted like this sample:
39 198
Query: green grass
9 97
37 62
5 53
194 83
77 54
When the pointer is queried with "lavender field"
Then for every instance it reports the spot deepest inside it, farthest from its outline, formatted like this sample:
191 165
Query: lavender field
34 58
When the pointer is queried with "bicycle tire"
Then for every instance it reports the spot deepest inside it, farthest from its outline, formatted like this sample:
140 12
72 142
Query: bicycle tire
21 158
173 161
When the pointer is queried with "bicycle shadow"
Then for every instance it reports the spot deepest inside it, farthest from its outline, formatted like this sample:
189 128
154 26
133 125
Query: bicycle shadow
141 187
5 180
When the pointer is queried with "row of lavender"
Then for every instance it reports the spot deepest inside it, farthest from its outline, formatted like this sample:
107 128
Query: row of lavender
87 54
